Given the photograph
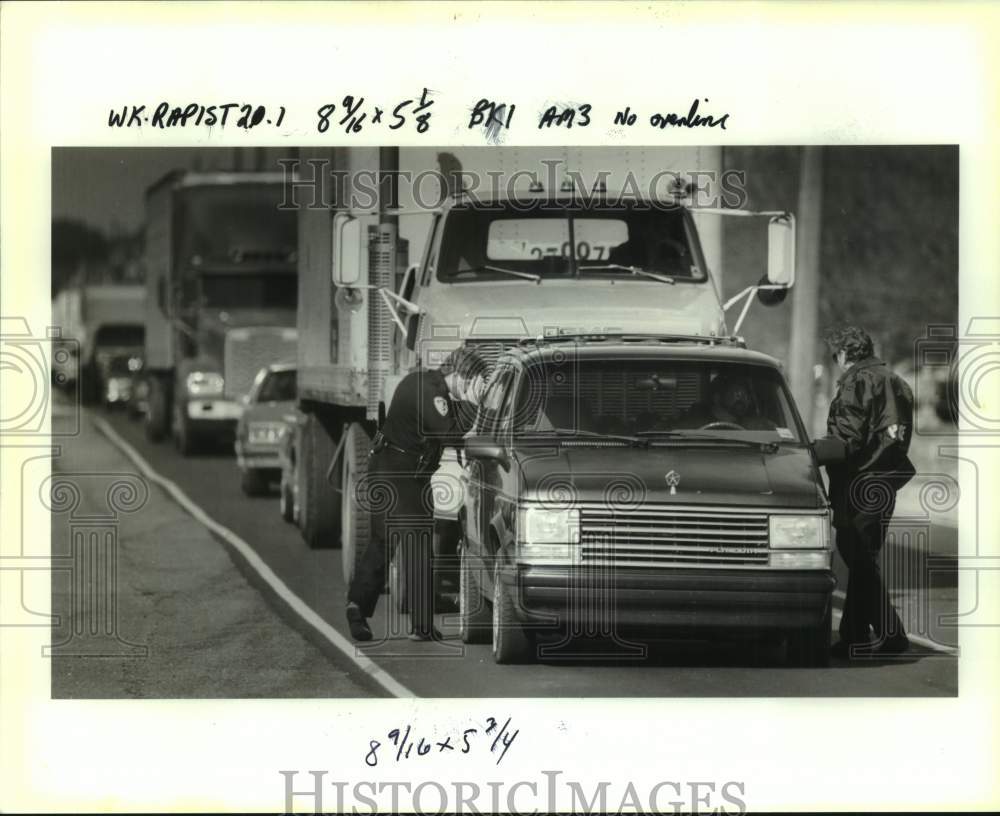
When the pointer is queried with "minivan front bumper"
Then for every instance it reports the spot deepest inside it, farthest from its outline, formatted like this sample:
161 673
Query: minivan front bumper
669 600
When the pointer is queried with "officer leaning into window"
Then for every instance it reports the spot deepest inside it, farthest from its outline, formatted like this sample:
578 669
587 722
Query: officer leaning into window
872 413
430 409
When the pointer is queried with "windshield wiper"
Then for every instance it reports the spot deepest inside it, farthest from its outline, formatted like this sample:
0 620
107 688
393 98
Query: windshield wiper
568 432
765 447
634 270
502 270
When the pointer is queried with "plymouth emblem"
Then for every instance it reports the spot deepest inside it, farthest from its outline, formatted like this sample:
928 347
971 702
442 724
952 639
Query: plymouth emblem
673 479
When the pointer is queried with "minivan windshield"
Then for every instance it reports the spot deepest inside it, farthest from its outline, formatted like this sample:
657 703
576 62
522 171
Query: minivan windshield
556 240
654 399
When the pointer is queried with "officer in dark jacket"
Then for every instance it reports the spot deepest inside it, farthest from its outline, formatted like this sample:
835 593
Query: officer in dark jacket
872 413
430 409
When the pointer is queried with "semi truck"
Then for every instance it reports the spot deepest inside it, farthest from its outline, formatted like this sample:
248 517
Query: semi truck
221 298
104 323
544 247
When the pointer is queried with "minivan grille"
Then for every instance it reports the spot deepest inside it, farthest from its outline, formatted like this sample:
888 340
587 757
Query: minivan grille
668 536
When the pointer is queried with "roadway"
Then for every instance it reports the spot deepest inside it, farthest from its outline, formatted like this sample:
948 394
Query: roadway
451 669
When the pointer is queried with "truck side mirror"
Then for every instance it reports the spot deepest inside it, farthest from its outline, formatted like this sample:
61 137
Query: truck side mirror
347 247
781 251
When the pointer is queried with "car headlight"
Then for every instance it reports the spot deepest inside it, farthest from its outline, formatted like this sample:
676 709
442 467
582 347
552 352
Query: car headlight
800 532
548 535
268 433
204 384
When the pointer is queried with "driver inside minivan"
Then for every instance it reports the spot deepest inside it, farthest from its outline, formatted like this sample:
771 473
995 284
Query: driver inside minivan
730 404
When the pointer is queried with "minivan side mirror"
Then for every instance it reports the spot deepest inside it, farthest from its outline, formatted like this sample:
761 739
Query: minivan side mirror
829 450
485 448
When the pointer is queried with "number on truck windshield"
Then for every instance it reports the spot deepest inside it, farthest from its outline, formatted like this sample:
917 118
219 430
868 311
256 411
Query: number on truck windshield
605 242
649 396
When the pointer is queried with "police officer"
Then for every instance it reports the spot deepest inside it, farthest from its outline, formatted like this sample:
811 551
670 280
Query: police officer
430 408
872 413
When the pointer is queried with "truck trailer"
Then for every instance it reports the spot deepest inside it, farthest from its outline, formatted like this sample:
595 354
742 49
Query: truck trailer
221 298
572 241
104 323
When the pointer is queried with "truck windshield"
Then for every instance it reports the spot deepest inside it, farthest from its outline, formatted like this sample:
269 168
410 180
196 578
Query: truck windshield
234 223
249 291
670 399
559 240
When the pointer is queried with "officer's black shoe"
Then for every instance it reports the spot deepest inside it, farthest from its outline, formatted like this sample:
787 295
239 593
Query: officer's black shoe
358 624
422 635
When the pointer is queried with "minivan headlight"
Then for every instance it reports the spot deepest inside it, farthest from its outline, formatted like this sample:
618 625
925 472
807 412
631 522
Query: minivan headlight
204 384
548 535
799 532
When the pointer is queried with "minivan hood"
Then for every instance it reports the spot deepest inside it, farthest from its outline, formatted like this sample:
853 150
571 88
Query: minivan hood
575 306
708 474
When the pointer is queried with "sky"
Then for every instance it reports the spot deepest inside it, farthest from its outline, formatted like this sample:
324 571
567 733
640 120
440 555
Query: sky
105 187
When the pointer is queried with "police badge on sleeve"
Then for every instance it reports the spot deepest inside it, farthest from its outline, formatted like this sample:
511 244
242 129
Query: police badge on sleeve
442 405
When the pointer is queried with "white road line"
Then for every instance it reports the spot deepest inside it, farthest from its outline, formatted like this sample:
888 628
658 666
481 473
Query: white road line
300 607
918 639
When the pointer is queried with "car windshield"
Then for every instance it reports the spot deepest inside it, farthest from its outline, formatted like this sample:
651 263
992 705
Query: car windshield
278 386
559 240
655 399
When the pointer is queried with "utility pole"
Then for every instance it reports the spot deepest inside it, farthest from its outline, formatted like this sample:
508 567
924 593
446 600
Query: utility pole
805 294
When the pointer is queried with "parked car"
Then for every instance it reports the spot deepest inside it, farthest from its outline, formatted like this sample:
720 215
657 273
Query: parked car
617 477
262 426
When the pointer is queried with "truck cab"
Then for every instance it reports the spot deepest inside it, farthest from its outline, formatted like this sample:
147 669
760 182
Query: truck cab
221 304
499 270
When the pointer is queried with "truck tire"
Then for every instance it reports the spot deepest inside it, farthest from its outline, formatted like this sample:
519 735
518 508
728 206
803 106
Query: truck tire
157 411
355 520
319 504
185 439
397 584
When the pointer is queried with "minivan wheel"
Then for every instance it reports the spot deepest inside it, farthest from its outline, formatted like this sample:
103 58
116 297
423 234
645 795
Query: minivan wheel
810 648
511 644
474 619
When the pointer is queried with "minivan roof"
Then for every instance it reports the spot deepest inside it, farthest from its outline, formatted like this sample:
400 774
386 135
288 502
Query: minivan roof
666 347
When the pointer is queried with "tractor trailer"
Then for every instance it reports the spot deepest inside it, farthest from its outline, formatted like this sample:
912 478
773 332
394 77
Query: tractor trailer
221 298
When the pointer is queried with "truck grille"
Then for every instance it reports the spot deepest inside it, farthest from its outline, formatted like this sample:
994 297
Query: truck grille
666 536
248 350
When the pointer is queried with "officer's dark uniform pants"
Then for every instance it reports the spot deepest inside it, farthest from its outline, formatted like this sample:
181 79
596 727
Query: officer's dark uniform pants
402 516
867 602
